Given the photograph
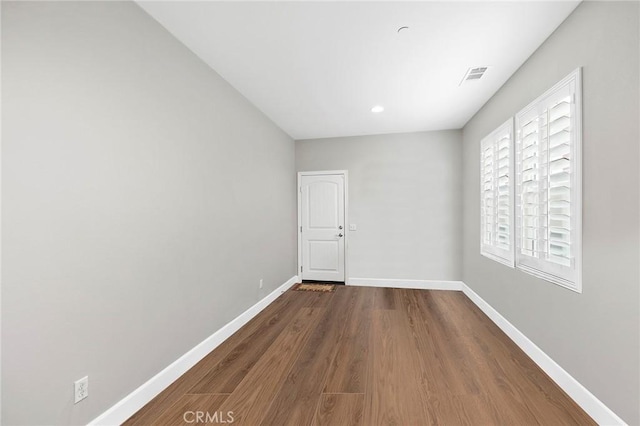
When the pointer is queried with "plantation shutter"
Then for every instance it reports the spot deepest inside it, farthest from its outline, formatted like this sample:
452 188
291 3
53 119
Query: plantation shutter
548 185
488 193
559 173
503 175
496 177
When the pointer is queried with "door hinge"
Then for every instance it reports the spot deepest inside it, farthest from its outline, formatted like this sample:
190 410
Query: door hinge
301 229
301 268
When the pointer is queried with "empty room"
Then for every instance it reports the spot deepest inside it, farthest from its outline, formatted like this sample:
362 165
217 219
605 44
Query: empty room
320 213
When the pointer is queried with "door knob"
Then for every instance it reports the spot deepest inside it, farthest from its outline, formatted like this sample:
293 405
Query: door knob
340 227
340 235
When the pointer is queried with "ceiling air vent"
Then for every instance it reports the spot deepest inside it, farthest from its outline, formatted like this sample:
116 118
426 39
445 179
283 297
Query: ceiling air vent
474 74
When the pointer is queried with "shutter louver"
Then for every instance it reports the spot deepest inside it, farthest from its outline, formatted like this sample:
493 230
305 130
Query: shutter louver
503 231
529 184
559 194
488 195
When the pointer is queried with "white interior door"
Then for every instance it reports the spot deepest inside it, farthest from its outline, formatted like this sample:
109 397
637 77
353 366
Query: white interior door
322 221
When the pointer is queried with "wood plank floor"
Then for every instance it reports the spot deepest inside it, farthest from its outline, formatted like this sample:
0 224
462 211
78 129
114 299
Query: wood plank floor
366 356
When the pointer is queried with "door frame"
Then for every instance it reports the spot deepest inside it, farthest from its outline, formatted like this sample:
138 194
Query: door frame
345 174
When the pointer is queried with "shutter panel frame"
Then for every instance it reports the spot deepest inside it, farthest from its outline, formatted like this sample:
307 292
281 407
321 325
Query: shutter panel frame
496 184
558 256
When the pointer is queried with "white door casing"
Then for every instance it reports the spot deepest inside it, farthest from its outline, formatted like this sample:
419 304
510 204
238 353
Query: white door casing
321 225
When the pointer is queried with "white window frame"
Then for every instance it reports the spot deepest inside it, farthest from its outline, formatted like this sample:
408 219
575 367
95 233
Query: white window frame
565 276
491 249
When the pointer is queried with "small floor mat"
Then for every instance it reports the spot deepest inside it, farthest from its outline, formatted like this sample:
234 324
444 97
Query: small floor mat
324 288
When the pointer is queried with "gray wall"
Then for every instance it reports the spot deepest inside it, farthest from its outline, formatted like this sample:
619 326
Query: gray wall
404 196
143 199
593 335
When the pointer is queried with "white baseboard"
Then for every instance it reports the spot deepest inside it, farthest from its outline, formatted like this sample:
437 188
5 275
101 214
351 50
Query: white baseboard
585 399
416 284
137 399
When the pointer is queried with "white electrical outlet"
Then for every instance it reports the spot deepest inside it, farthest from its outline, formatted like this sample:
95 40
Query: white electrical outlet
260 282
81 389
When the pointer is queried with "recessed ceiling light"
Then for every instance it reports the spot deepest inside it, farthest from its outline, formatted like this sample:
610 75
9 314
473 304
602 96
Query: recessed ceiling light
377 108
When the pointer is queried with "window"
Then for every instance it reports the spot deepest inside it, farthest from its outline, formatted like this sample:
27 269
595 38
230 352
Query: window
548 185
496 180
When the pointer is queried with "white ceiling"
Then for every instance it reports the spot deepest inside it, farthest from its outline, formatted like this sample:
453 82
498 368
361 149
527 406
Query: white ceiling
317 68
